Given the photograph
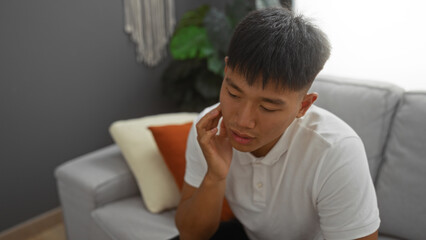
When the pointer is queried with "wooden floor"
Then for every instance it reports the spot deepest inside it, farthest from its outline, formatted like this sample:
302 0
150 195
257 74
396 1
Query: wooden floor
56 232
47 226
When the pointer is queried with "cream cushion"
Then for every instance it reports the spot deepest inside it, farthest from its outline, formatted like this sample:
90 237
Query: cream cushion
156 183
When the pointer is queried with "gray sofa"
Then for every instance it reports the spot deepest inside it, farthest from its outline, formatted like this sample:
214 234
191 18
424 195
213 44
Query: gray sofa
100 198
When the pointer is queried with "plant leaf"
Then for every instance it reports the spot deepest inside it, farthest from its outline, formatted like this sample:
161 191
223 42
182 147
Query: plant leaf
216 64
190 42
193 18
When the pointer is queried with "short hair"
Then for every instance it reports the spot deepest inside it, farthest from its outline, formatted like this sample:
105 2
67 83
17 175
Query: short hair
283 48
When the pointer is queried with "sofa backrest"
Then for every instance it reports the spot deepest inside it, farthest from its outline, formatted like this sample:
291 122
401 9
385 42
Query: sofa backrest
401 182
367 106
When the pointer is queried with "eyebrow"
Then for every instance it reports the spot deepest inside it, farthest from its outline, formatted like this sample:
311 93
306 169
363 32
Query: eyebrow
274 101
264 99
229 81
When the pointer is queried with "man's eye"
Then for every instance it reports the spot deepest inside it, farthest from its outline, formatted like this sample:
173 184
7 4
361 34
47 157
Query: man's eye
267 109
232 95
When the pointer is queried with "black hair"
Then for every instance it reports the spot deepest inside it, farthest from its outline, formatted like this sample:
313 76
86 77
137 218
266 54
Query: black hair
283 48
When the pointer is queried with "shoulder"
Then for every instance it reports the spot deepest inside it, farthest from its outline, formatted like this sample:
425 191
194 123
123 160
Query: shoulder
326 126
327 140
340 151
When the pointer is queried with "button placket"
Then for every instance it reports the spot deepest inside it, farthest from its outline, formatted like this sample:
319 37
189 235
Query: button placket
258 183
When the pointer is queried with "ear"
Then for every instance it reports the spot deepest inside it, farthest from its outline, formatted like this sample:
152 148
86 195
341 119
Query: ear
307 102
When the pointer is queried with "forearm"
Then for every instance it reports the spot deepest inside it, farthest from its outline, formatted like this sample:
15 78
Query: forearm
198 217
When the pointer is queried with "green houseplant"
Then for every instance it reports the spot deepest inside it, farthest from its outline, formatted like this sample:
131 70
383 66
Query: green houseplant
198 48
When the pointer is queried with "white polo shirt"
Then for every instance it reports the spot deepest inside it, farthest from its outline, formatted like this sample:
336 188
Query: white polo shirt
314 183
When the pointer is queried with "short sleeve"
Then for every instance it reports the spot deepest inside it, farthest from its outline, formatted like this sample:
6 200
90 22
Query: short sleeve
346 201
196 165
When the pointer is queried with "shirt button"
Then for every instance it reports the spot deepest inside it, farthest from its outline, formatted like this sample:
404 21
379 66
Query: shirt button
259 185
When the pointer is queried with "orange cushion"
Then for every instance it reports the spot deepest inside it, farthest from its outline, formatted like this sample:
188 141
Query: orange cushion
171 141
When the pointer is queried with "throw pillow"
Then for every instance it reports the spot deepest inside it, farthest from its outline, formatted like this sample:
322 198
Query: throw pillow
156 184
171 141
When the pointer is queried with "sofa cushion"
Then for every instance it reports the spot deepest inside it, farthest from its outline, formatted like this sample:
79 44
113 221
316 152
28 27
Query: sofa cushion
367 106
156 183
129 219
401 184
90 181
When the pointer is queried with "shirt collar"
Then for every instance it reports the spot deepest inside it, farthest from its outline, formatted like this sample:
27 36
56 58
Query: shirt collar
273 155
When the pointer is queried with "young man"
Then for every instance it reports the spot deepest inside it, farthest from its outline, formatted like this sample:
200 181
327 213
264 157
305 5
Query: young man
289 170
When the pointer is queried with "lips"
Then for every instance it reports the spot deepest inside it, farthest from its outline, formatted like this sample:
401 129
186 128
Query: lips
241 138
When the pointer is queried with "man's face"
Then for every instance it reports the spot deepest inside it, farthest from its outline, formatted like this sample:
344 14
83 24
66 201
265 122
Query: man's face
256 117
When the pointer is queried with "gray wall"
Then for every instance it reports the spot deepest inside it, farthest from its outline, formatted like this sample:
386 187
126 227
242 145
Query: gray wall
67 71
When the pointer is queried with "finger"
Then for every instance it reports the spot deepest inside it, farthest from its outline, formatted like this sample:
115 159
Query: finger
205 139
219 107
215 122
207 121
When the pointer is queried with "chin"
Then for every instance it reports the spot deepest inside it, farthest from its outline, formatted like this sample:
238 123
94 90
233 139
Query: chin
242 148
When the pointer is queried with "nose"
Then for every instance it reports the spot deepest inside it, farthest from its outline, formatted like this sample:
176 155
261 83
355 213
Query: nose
246 117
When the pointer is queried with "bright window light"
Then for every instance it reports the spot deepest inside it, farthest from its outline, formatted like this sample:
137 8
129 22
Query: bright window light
382 40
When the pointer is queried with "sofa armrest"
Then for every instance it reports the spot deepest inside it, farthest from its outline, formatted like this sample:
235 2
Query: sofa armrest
90 181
